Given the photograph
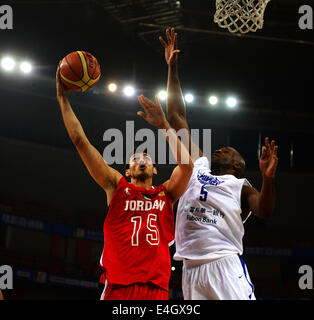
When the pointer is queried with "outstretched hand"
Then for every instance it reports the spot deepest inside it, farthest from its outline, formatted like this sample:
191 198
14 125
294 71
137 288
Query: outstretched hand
268 160
62 90
153 112
171 51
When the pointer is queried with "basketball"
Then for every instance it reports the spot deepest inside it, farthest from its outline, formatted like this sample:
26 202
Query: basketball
79 71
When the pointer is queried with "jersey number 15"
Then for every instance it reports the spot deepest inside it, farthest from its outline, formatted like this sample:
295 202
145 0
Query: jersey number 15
152 237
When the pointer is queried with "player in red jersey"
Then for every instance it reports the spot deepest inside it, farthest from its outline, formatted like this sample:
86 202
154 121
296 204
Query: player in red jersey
139 225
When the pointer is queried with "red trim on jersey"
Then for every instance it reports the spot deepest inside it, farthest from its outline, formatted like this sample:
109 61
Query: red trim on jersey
137 230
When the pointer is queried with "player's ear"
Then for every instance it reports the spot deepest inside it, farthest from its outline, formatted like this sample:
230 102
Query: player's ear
127 173
237 165
154 170
239 169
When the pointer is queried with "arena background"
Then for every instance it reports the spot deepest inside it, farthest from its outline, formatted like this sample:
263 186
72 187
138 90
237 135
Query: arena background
52 212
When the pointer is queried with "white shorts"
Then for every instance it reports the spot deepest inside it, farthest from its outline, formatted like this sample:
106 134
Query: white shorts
223 279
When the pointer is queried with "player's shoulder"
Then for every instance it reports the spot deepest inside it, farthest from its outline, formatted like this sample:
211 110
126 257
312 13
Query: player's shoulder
122 182
201 162
201 168
162 188
200 165
247 189
162 191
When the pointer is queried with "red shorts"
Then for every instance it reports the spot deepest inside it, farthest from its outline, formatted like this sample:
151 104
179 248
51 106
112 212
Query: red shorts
136 291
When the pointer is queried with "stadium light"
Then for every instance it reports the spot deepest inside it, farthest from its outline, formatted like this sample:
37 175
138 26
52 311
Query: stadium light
231 102
189 98
129 91
213 100
25 67
8 63
162 95
112 87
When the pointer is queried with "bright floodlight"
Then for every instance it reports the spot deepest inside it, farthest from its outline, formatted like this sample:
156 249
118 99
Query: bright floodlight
189 97
112 87
26 67
162 95
231 102
213 100
8 64
173 268
129 91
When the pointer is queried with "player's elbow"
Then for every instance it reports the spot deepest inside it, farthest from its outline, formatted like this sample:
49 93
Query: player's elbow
77 134
176 119
265 213
79 140
76 139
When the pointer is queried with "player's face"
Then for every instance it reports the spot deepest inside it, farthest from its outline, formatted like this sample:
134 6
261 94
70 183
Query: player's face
141 166
223 155
224 159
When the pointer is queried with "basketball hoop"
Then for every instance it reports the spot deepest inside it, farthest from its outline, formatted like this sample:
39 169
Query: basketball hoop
240 15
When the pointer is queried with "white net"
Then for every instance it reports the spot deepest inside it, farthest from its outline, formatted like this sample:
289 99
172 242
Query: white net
240 15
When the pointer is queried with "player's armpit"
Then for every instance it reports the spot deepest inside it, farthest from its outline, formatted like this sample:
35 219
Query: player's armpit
107 177
250 199
177 183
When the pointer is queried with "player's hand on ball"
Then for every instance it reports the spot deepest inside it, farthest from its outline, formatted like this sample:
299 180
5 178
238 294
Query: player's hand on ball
268 160
153 113
171 50
62 90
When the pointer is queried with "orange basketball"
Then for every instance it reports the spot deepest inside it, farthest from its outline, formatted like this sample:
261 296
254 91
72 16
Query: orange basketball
79 71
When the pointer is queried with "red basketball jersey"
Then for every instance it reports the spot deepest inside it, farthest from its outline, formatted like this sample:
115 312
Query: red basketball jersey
138 230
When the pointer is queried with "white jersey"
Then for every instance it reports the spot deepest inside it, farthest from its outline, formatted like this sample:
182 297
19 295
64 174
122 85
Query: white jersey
208 223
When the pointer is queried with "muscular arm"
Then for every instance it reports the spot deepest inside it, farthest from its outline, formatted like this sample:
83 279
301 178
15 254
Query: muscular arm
262 204
180 177
175 101
102 173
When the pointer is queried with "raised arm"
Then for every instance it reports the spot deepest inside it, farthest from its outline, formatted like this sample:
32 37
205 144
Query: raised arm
262 204
107 177
180 177
175 100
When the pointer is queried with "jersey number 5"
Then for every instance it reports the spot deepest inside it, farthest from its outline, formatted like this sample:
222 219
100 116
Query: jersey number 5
152 237
204 194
